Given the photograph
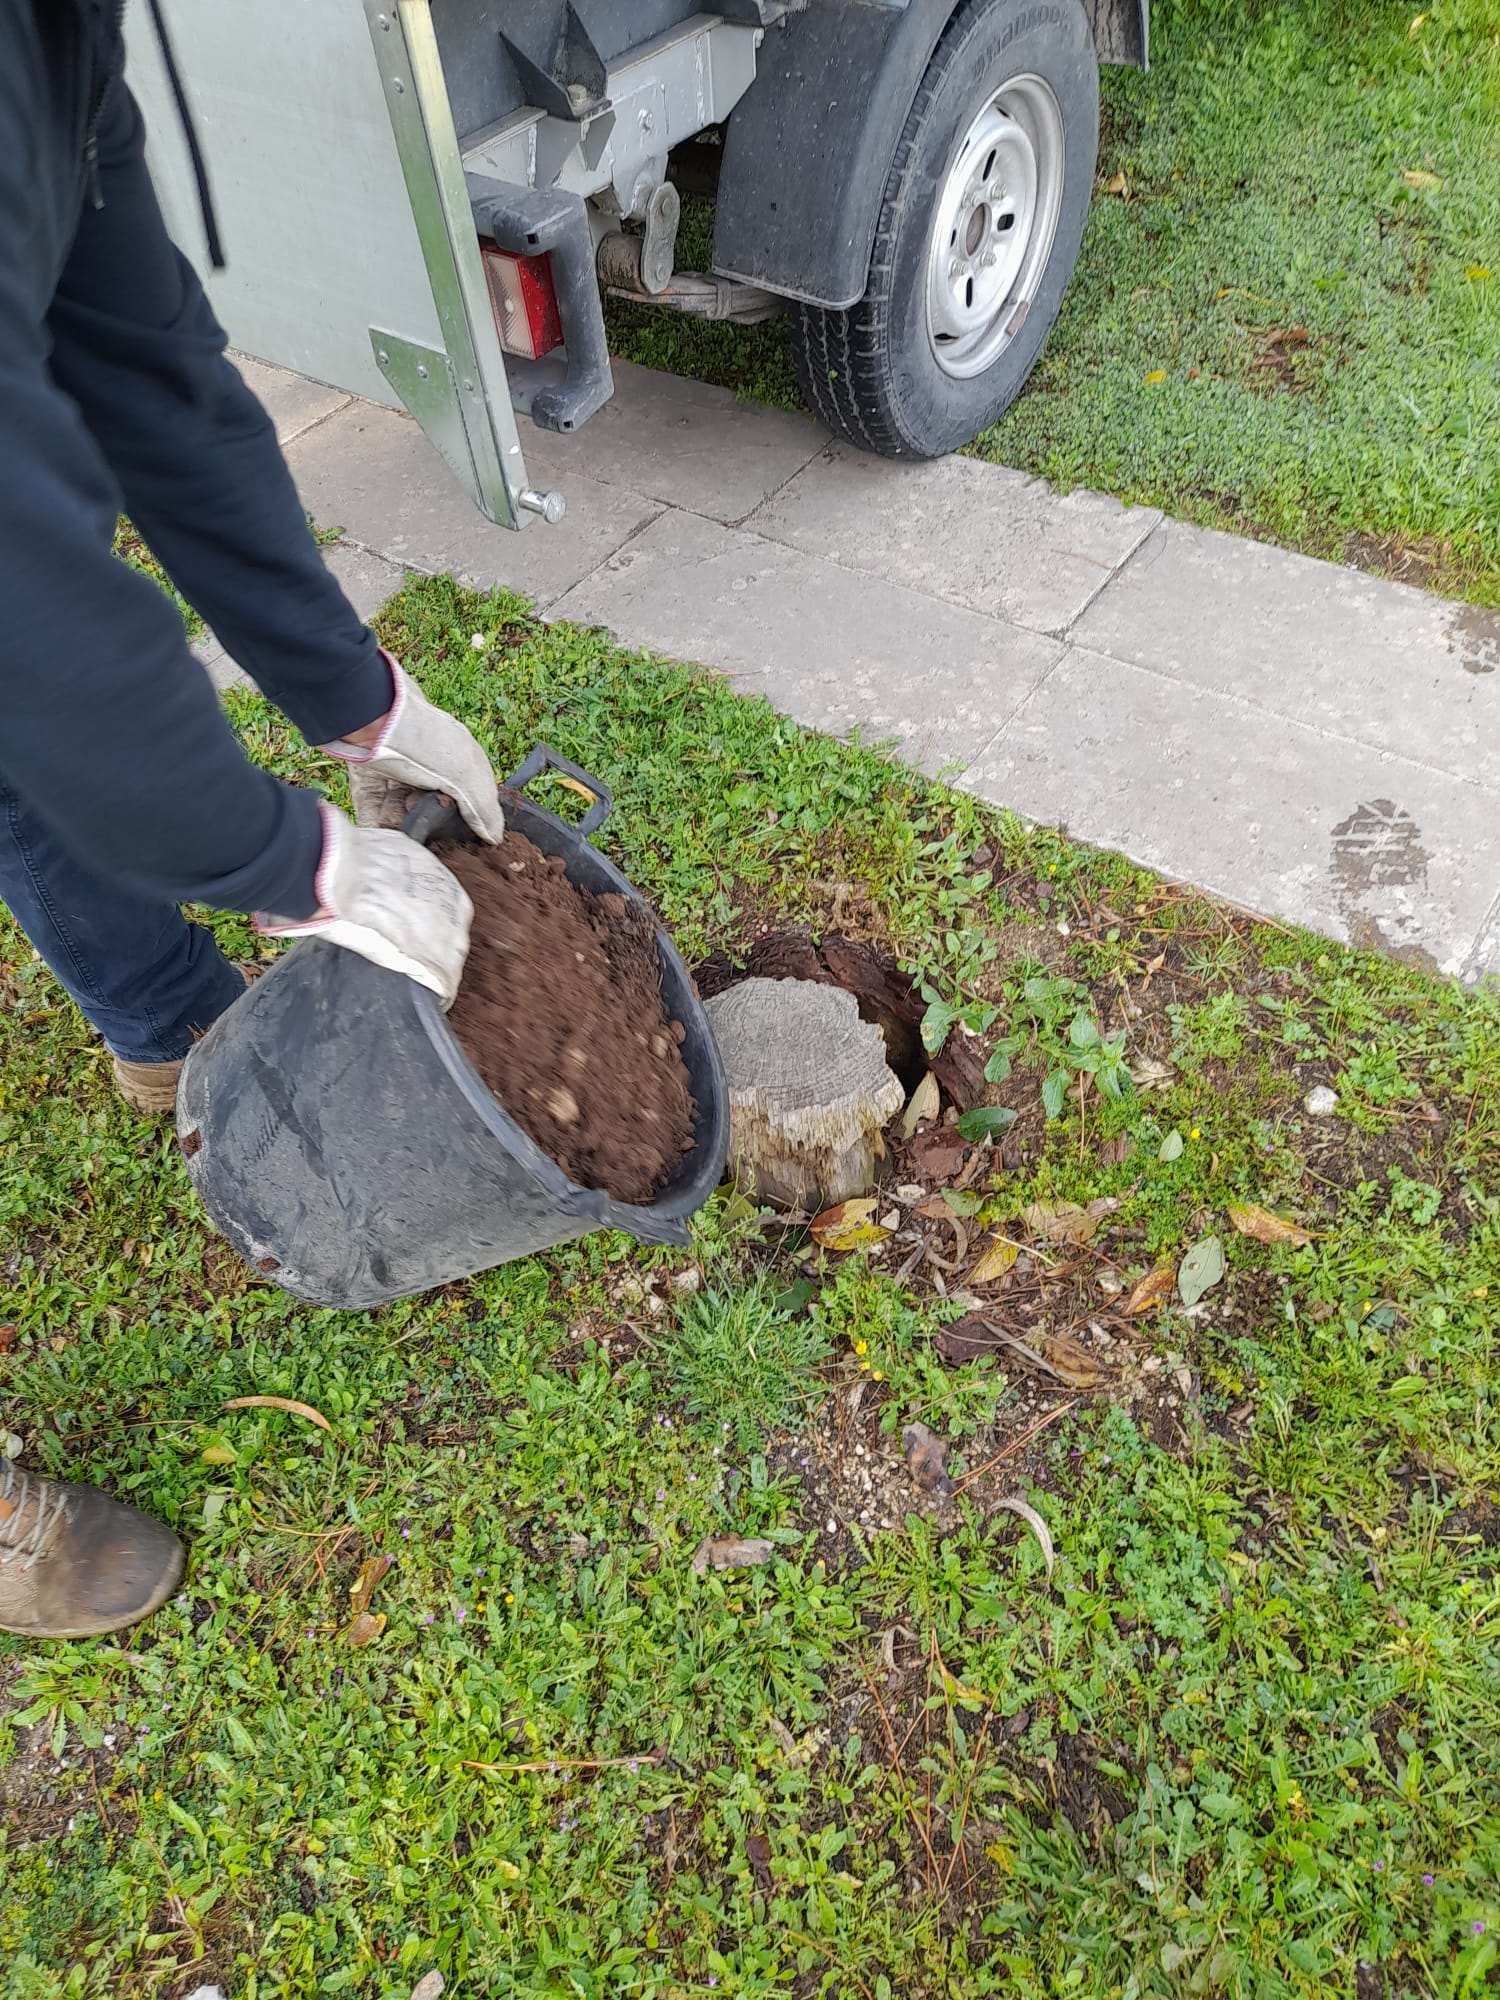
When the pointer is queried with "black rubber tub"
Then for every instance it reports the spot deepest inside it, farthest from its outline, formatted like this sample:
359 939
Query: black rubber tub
341 1140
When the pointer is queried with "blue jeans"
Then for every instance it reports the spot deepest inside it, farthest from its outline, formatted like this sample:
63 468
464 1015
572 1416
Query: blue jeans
148 980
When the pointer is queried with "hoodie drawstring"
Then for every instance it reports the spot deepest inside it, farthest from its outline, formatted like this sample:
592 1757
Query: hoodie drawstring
185 118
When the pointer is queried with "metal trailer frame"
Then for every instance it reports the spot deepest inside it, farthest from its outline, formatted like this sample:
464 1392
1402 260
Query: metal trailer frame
348 204
340 184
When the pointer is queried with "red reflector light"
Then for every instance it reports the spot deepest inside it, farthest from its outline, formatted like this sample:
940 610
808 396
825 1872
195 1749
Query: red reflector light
524 302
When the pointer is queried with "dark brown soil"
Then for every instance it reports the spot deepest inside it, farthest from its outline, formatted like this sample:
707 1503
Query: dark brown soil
561 1013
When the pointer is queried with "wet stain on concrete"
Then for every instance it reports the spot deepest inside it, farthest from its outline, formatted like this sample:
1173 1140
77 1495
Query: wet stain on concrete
1474 636
1377 861
1377 846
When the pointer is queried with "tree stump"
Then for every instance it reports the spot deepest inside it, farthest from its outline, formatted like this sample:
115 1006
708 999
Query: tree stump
809 1089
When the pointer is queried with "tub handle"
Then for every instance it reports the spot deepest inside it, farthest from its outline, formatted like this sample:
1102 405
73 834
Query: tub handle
544 758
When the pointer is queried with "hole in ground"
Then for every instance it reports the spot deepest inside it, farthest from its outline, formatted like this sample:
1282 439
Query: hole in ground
882 992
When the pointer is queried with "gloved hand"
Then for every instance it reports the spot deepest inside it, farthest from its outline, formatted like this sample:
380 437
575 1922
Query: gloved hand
422 748
388 899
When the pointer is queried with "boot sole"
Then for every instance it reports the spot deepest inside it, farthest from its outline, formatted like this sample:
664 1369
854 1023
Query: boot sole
97 1630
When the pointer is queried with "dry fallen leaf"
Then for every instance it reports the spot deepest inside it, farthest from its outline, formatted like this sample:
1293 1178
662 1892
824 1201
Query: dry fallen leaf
1055 1354
1418 177
999 1258
431 1984
1072 1362
967 1339
1119 185
926 1102
927 1459
574 786
1251 1220
1067 1221
219 1454
782 1734
366 1628
1201 1270
758 1854
731 1552
1156 376
293 1409
1013 1504
850 1226
373 1572
1146 1073
1152 1290
940 1152
1115 1152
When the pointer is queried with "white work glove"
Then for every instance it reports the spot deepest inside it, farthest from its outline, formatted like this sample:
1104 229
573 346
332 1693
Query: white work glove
388 899
420 748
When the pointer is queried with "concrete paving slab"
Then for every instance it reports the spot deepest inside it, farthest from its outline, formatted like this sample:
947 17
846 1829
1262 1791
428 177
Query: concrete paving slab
371 473
1373 662
368 579
216 663
686 443
1357 842
975 535
833 650
294 402
1484 960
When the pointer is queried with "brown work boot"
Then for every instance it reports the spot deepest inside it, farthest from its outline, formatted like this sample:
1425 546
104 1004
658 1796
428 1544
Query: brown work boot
151 1088
148 1087
74 1563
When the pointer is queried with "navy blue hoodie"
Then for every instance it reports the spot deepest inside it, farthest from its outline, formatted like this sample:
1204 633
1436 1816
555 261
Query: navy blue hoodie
115 396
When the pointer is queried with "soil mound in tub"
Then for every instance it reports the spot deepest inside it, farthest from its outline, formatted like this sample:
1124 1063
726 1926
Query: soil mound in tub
561 1013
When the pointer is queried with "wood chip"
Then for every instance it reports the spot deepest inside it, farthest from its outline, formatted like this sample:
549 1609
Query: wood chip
1014 1504
731 1552
286 1403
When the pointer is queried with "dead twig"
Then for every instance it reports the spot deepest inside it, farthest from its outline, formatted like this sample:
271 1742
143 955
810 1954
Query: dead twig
890 1737
1019 1444
653 1758
963 1814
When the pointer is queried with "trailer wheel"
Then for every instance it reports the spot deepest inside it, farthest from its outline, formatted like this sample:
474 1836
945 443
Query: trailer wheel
979 230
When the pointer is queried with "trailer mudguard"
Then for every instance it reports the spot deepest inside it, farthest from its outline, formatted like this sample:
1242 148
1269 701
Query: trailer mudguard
810 144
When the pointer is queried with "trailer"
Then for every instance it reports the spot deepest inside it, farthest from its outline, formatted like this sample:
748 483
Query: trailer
425 202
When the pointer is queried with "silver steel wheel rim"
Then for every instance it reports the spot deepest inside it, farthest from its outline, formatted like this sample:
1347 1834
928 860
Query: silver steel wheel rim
994 227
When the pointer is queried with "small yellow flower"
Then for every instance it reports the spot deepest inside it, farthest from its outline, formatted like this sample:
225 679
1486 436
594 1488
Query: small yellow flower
1053 869
861 1346
156 1797
877 1375
1481 1291
510 1597
864 1364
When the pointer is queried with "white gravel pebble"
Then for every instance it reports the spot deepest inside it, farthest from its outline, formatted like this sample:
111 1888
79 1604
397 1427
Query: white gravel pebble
1320 1101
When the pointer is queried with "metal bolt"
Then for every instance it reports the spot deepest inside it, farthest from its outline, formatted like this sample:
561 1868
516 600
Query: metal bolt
382 357
398 86
469 386
997 191
384 21
422 370
551 506
956 268
987 261
648 123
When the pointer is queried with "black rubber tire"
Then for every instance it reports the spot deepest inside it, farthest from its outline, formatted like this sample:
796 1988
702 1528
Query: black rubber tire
869 372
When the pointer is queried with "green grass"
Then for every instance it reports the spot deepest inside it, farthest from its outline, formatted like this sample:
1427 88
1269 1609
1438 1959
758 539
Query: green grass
1246 1739
1289 325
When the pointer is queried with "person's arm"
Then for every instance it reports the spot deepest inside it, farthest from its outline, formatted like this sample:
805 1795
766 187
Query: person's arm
136 345
109 728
